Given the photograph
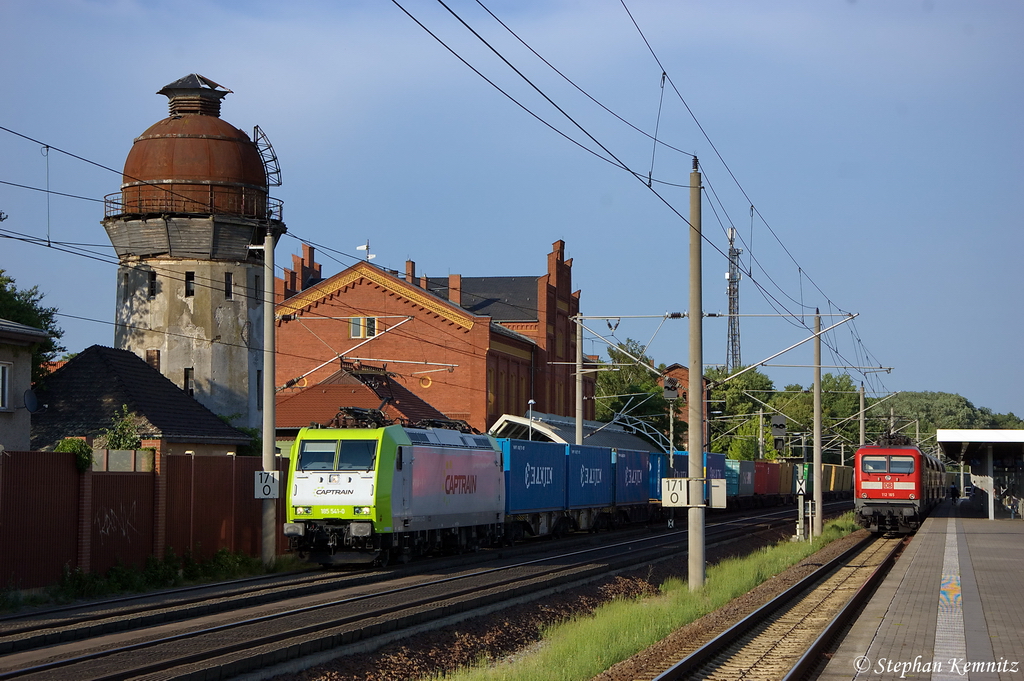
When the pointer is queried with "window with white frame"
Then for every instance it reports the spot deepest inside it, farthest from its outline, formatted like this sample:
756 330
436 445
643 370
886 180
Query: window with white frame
6 376
362 327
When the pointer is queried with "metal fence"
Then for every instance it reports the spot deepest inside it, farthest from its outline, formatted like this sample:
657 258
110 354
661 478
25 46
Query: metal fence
52 516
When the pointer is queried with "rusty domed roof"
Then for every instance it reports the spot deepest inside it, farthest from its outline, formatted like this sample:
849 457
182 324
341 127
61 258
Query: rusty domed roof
195 148
193 162
194 144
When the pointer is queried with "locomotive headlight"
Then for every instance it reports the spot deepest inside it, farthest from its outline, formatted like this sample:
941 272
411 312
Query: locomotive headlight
361 510
863 495
913 496
303 510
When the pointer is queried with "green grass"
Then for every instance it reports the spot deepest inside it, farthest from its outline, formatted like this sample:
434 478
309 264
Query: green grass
157 574
579 649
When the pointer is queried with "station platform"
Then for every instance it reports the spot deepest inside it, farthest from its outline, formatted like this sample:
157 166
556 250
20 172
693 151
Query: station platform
951 608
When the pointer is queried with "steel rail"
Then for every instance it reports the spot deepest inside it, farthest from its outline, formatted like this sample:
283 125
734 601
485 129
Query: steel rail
812 658
725 529
686 667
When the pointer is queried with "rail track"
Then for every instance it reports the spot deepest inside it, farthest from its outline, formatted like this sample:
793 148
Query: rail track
252 627
785 638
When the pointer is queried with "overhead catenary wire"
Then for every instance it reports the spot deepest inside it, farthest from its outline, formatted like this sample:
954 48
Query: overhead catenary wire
649 174
618 163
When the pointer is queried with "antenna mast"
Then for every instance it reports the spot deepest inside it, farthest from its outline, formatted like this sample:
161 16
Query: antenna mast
732 277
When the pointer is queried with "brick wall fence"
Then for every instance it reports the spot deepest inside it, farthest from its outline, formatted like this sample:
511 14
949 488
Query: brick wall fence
52 516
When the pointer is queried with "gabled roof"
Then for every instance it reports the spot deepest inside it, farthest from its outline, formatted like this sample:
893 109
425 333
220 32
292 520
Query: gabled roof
83 396
366 388
327 287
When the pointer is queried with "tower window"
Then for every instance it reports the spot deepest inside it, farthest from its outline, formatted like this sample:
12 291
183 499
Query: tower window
256 290
152 284
153 359
227 286
190 381
190 284
259 389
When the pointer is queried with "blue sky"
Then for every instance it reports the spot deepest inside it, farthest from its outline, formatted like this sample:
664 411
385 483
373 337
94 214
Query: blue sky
879 142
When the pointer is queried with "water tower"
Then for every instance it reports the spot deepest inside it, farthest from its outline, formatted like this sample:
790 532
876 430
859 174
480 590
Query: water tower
188 226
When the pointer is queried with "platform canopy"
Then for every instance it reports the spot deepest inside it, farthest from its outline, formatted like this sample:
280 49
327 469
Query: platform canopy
966 445
562 429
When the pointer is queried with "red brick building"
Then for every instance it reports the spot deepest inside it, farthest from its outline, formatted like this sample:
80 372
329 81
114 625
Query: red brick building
473 347
682 376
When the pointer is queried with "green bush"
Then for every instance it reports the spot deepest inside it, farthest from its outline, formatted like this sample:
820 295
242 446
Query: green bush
80 448
124 431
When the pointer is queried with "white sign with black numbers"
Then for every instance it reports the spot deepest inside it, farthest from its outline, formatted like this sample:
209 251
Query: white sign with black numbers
674 492
266 484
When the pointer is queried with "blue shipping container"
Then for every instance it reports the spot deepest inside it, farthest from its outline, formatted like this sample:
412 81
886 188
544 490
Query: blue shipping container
657 462
590 477
732 478
632 477
714 466
534 476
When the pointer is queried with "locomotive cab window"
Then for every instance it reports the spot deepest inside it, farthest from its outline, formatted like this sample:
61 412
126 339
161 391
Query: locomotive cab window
357 455
902 465
874 464
317 455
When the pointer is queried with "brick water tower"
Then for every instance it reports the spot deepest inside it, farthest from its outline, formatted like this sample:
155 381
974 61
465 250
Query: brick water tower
188 227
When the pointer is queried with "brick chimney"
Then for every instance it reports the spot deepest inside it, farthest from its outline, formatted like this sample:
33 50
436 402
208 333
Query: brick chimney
455 289
410 272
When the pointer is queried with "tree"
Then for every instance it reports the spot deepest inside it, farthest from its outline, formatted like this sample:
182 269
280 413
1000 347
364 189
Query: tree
731 408
625 386
839 401
24 306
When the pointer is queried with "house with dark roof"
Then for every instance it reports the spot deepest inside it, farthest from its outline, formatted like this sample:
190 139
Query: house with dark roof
473 347
84 397
16 344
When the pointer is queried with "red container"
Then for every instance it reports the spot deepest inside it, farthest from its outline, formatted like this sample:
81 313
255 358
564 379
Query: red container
762 477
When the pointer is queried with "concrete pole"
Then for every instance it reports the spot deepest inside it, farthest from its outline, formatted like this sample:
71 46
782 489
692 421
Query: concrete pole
269 543
695 392
760 433
990 470
863 417
817 525
579 380
671 434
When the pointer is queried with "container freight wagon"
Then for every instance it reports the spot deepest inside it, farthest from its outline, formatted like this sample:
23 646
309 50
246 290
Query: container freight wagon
590 486
535 502
829 482
766 478
786 482
632 485
658 464
371 494
739 485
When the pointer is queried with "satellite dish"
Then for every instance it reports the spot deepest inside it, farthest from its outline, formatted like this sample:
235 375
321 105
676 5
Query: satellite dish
31 402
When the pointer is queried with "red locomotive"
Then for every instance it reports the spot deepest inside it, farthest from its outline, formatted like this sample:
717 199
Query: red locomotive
896 485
